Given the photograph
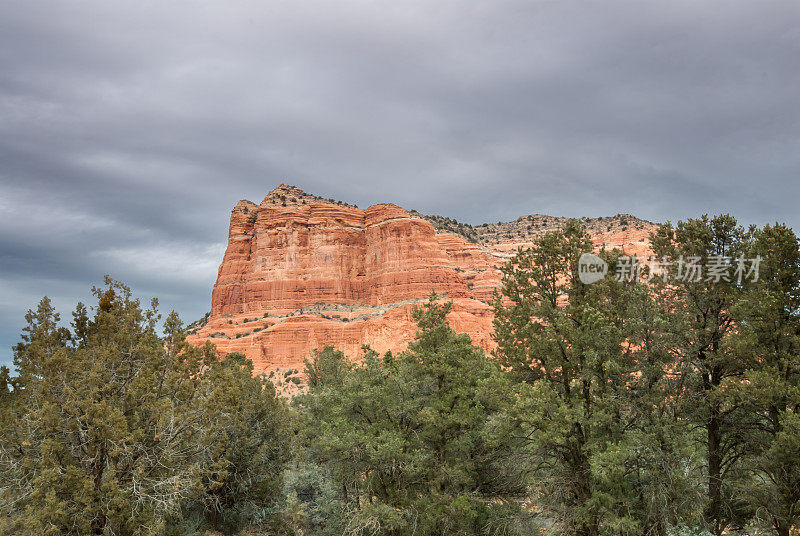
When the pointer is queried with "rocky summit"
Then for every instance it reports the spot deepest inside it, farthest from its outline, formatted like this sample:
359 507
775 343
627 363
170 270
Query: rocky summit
301 272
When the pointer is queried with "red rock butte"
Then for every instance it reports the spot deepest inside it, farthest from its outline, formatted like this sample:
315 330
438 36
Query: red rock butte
301 272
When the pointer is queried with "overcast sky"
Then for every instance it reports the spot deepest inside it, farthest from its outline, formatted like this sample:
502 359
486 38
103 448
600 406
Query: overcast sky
128 130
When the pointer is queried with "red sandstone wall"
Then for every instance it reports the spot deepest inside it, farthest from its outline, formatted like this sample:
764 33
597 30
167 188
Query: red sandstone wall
313 273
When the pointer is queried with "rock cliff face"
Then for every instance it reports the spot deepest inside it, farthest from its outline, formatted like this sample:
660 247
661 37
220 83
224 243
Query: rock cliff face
301 272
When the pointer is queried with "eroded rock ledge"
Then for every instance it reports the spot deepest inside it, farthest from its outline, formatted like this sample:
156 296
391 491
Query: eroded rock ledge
301 272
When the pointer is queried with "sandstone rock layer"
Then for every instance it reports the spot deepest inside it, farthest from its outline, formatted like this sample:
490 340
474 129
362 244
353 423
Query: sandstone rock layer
301 272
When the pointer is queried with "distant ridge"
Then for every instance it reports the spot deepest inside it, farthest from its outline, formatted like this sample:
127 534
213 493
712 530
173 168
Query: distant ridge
528 228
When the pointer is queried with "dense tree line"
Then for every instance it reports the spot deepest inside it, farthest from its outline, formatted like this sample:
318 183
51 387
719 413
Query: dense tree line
111 429
655 404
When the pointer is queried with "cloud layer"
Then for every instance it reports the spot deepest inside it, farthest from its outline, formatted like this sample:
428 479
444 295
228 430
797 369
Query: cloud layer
128 131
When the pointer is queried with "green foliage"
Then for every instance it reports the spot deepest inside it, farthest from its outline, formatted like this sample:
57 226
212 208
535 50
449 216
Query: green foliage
652 408
243 443
112 429
768 320
328 366
412 444
702 322
596 410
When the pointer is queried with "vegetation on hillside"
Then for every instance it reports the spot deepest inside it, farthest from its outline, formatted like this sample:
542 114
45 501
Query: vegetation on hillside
531 227
657 406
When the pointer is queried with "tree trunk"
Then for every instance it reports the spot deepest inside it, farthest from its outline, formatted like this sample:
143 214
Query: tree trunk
714 508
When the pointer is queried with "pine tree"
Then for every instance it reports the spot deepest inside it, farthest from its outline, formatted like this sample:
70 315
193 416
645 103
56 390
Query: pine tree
702 322
768 320
598 413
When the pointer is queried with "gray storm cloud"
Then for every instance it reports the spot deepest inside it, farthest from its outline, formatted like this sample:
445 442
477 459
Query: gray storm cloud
128 131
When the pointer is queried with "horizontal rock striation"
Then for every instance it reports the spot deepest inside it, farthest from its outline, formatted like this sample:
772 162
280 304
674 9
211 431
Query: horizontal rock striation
301 272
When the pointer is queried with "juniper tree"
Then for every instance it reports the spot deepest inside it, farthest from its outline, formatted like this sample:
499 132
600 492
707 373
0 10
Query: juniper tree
243 443
415 442
105 430
98 443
